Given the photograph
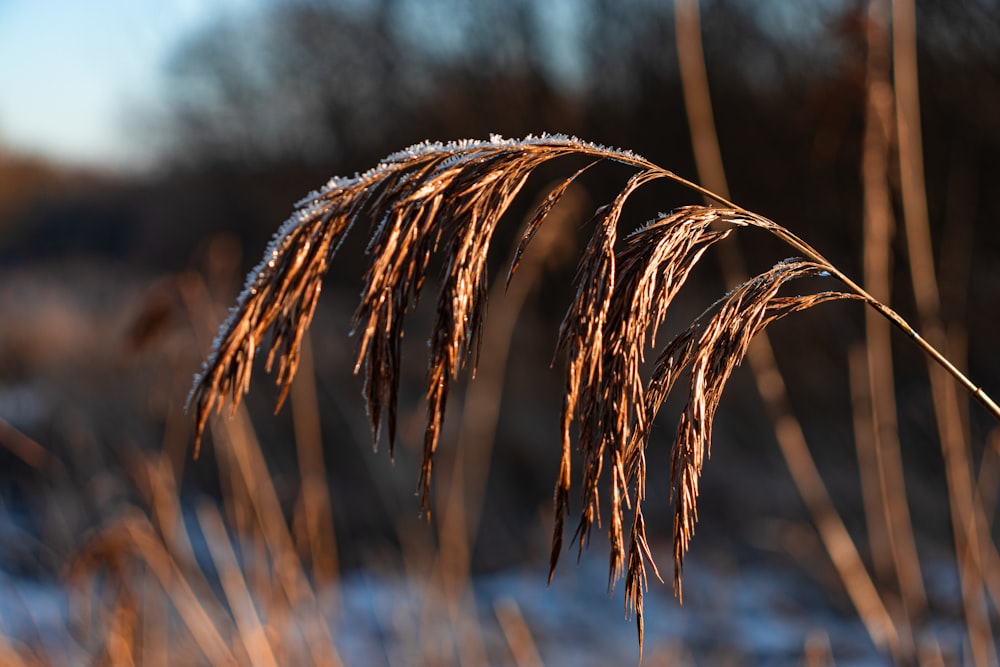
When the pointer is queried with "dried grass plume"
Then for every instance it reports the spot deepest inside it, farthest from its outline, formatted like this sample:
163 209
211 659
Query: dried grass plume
446 200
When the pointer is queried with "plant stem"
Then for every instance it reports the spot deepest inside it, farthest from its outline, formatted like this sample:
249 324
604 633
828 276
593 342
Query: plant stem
894 317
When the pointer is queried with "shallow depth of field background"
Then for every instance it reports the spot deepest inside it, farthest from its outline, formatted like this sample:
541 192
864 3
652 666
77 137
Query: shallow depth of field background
145 160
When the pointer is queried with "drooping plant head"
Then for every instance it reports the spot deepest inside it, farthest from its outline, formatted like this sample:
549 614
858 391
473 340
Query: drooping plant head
445 201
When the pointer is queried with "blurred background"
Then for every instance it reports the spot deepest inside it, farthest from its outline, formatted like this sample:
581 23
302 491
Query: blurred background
148 151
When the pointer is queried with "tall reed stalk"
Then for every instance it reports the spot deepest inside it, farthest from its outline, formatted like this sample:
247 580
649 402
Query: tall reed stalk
964 504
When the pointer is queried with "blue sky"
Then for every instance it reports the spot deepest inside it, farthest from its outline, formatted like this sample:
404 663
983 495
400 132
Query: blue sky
72 72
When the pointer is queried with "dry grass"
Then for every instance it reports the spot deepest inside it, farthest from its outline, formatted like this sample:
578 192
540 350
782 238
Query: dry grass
442 203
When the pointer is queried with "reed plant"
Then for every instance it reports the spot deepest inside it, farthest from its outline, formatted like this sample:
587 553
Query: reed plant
440 204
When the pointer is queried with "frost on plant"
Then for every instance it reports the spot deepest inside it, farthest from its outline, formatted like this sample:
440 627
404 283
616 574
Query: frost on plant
445 201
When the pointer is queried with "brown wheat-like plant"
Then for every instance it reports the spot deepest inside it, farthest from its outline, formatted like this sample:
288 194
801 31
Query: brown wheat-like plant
446 200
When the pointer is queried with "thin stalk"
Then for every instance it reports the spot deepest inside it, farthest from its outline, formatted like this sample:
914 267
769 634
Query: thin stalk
810 253
155 634
927 296
315 493
870 462
249 629
517 633
879 226
697 97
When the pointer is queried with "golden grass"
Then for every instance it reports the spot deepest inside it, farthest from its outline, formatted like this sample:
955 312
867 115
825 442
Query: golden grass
444 202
